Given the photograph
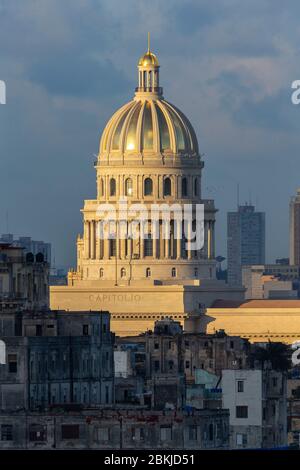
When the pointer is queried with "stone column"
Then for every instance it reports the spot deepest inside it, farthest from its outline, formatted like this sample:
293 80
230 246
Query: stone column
189 239
97 239
154 239
178 240
85 239
92 239
141 241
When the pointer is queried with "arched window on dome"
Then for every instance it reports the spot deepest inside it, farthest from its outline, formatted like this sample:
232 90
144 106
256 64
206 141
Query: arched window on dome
112 187
167 187
101 272
184 187
148 187
196 187
147 127
128 187
123 272
174 272
148 272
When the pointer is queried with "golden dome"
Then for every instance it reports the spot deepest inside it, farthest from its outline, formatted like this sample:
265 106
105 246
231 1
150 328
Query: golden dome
148 59
151 126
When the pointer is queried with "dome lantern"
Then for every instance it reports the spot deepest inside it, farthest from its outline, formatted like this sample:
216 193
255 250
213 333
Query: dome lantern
148 70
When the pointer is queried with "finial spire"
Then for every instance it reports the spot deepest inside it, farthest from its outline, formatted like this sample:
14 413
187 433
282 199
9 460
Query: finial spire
148 42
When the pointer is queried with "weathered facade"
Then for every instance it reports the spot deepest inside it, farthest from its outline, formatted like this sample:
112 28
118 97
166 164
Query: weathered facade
56 357
24 279
115 429
257 402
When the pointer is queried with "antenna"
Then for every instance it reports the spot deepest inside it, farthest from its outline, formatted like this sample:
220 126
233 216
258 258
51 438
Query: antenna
148 42
238 195
6 221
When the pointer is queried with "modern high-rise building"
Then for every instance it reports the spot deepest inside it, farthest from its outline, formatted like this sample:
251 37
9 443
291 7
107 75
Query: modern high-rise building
245 241
295 229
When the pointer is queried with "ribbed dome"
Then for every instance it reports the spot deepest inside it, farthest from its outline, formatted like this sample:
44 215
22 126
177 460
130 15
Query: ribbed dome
148 59
149 125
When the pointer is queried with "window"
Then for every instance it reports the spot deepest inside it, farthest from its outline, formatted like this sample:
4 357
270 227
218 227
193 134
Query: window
242 412
173 272
70 431
128 187
196 187
240 385
156 366
37 433
184 187
196 272
167 187
138 434
166 433
241 439
85 330
192 433
123 272
6 432
106 394
148 272
156 345
148 246
101 434
101 272
171 365
148 187
12 363
38 330
187 364
211 432
112 247
274 381
112 187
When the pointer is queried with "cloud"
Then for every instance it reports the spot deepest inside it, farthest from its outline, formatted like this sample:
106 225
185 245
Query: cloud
68 65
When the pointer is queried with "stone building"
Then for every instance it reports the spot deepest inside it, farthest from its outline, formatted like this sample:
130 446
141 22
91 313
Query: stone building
24 279
149 156
115 429
170 359
258 320
56 358
257 402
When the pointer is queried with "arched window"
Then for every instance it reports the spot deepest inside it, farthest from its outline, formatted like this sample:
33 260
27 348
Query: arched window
173 272
101 272
128 187
148 187
148 272
167 187
184 187
112 187
123 272
196 186
196 272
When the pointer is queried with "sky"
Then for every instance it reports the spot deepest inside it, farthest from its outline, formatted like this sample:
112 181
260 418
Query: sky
68 65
